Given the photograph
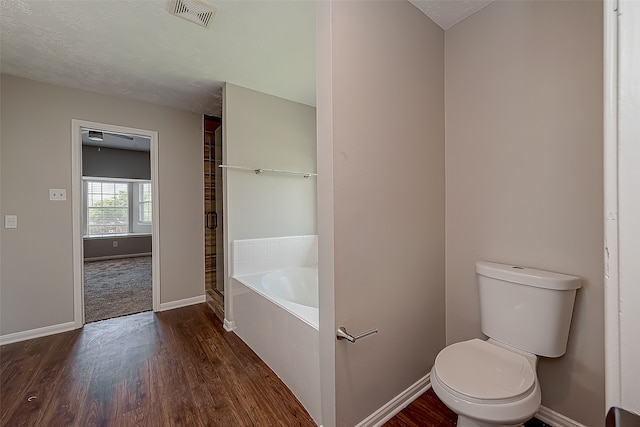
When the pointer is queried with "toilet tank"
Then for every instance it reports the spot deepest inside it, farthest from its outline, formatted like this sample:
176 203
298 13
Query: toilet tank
525 308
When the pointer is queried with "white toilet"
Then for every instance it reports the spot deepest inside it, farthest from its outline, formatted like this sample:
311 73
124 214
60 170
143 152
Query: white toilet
526 313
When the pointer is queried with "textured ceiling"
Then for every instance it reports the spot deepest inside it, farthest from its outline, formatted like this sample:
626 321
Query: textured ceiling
138 50
447 13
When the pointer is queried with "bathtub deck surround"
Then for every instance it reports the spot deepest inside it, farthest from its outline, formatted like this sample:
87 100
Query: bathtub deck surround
292 289
258 255
293 281
274 287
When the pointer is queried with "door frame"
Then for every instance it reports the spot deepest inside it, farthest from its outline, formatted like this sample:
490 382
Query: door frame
622 227
77 214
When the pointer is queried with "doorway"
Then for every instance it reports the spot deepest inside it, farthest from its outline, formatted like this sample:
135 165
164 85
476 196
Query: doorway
115 221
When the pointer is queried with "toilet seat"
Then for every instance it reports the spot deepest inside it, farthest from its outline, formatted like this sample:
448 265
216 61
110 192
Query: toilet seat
481 372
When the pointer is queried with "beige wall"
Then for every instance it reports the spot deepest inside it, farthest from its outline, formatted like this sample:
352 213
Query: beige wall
37 272
264 131
115 163
524 172
102 247
385 199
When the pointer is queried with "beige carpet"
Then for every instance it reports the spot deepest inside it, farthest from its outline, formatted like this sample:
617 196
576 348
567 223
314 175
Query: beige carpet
117 287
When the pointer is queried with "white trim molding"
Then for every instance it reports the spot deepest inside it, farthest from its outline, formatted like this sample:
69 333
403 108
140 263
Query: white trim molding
629 203
610 252
37 333
556 419
76 215
397 404
405 398
182 303
622 205
77 211
155 226
228 325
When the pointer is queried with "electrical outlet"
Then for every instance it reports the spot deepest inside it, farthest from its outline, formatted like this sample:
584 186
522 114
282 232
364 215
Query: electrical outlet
115 243
11 221
57 194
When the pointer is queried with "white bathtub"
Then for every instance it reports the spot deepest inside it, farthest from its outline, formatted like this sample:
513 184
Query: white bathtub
276 314
294 289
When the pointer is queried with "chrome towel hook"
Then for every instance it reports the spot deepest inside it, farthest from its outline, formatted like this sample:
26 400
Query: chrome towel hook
342 334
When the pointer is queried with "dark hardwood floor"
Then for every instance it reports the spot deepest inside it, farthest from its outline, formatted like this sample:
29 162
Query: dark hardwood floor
426 411
174 368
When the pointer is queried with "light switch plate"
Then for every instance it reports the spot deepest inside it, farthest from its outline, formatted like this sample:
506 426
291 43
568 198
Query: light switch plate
57 194
11 221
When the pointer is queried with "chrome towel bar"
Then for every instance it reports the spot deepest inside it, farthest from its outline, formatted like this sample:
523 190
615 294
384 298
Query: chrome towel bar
258 171
342 334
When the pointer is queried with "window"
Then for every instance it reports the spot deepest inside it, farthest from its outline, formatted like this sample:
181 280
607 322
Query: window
107 207
144 203
117 206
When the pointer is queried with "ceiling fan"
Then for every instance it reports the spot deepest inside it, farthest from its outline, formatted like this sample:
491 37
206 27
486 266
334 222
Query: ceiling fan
96 135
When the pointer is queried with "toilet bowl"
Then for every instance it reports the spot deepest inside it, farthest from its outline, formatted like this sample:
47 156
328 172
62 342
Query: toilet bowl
526 313
486 383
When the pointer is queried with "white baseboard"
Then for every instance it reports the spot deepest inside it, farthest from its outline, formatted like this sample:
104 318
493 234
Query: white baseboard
104 258
397 404
228 326
182 303
69 326
555 419
404 399
37 333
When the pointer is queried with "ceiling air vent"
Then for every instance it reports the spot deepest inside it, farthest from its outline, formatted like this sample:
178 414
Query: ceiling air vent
195 11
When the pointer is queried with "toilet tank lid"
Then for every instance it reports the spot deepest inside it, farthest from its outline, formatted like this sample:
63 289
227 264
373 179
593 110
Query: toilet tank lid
528 276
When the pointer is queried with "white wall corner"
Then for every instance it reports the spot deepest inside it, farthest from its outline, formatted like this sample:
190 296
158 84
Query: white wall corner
397 404
182 302
229 326
556 419
37 333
